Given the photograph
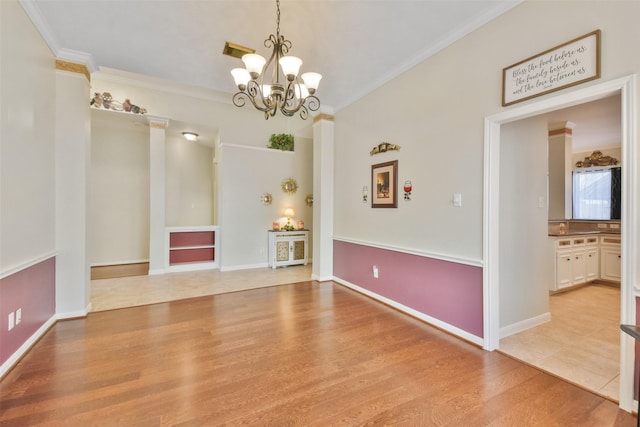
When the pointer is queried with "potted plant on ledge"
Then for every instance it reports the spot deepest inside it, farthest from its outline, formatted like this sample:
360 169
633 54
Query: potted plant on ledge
281 141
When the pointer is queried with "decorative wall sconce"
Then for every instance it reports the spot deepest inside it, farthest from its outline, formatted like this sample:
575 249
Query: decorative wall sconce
365 194
407 190
290 186
266 199
309 200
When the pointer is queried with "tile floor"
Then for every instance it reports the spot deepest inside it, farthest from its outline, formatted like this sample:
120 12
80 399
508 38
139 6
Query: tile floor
581 343
108 294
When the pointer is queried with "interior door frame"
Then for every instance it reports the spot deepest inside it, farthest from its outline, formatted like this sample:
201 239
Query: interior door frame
626 86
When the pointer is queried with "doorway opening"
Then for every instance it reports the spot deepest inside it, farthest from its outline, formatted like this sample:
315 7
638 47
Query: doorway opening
492 222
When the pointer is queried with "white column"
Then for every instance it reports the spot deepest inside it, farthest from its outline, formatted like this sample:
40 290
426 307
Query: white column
157 150
560 178
323 142
72 160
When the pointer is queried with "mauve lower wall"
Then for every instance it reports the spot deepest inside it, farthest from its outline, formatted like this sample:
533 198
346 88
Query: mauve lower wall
33 290
447 291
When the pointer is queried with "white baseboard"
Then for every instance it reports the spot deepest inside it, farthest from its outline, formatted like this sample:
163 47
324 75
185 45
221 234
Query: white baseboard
523 325
245 267
15 357
196 266
322 279
414 313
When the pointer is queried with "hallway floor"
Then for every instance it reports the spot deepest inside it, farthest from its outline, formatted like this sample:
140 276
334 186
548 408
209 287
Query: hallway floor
581 343
108 294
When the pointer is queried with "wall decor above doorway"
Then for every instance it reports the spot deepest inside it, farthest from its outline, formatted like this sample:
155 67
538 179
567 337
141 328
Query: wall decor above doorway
571 63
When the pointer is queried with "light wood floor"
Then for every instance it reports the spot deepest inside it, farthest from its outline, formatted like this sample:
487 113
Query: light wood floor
307 354
581 343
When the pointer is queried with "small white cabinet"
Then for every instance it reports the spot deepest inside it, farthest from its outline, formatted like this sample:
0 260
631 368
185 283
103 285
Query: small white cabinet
610 259
288 248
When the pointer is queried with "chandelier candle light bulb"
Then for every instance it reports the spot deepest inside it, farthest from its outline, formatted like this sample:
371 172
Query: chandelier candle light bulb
289 96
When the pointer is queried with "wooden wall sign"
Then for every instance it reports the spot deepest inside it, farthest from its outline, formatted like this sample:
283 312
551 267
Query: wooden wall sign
571 63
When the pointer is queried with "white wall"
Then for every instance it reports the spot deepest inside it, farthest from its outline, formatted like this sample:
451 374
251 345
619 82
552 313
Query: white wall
435 111
189 183
119 201
524 270
246 173
27 136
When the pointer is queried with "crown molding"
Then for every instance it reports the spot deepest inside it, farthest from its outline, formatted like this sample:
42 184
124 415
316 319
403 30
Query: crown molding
430 50
33 12
111 75
76 56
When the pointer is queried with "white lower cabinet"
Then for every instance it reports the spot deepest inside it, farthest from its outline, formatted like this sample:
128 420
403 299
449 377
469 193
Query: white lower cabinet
576 261
591 263
610 259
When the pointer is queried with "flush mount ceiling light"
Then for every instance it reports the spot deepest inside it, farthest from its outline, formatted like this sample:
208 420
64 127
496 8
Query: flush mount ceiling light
190 136
290 96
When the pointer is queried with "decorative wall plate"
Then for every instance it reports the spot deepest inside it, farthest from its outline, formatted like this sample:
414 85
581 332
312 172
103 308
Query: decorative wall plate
289 186
266 199
309 200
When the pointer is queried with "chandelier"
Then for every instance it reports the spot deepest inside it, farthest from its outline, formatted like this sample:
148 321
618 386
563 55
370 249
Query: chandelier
289 95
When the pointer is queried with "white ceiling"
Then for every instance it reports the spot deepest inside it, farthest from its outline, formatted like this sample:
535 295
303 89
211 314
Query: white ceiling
357 45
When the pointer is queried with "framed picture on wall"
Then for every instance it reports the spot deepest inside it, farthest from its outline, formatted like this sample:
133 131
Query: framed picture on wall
384 185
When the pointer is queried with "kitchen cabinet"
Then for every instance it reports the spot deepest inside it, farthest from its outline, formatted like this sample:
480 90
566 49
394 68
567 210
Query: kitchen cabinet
288 248
575 261
610 258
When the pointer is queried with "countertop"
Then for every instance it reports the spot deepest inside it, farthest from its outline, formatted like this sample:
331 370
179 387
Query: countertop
580 233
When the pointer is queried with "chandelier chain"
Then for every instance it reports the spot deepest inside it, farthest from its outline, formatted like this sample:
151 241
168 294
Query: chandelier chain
278 18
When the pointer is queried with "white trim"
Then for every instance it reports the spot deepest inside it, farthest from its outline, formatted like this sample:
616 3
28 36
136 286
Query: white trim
442 257
115 263
78 57
321 279
457 33
74 314
33 11
245 267
523 325
191 266
631 210
18 268
111 75
156 272
189 228
24 348
253 147
414 313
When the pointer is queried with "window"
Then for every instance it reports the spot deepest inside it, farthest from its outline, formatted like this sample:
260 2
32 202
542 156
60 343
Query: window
596 194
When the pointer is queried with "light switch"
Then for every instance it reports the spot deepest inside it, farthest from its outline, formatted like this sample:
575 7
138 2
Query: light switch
457 200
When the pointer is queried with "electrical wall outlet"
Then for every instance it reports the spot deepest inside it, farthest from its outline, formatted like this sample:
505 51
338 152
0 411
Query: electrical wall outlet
12 320
375 271
18 316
